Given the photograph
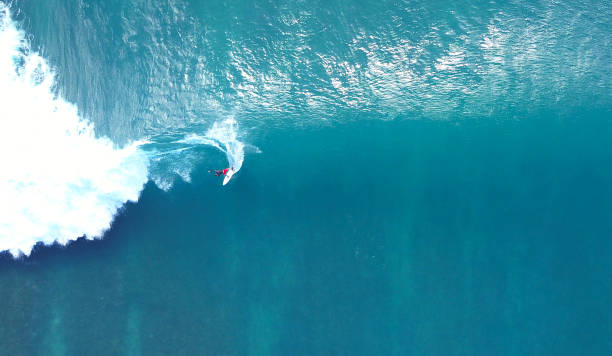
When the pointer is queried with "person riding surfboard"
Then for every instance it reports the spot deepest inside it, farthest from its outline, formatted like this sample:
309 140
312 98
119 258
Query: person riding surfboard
219 172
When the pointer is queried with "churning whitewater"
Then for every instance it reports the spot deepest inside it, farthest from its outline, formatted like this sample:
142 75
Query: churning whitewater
59 181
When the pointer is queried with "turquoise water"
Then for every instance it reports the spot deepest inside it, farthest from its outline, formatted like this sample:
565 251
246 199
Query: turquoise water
415 178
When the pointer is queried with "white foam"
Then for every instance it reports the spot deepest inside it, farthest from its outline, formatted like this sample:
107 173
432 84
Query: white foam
58 182
224 136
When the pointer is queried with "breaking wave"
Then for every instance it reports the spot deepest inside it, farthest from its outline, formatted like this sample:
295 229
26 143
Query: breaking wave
59 181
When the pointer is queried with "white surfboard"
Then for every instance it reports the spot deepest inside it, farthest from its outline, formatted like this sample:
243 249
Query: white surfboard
228 176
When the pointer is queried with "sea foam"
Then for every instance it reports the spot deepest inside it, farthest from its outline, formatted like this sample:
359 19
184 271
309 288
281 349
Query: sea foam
58 181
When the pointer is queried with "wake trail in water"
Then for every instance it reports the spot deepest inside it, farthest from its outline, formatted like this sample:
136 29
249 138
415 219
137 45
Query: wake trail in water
58 181
176 156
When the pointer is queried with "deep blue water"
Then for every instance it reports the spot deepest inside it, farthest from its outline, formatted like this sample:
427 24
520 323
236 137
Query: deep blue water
419 179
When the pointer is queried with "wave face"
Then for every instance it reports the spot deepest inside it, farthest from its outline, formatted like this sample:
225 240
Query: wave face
172 65
301 64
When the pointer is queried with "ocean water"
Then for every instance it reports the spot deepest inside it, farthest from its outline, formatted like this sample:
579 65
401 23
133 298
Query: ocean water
414 178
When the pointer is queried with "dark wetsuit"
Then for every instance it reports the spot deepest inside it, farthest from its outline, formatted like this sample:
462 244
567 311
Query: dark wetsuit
219 172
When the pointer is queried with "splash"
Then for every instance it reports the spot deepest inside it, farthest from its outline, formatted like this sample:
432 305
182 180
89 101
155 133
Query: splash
176 156
58 181
223 135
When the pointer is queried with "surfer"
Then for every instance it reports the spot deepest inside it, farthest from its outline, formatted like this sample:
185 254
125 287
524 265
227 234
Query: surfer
219 172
